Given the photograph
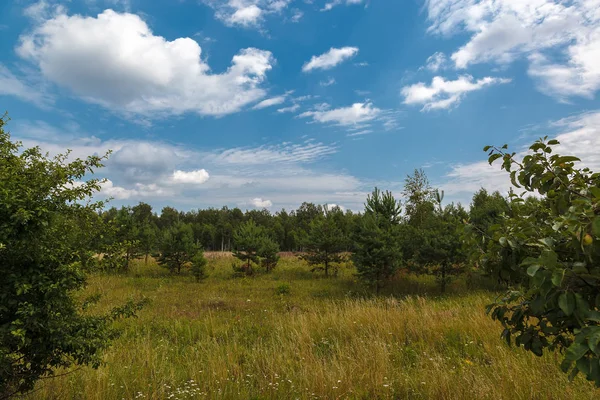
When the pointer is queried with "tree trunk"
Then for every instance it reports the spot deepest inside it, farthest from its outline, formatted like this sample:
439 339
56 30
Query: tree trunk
146 260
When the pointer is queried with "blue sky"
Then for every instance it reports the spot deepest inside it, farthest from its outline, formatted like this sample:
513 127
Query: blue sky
268 103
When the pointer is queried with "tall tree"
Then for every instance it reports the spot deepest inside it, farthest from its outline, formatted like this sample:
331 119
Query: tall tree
45 220
419 197
557 247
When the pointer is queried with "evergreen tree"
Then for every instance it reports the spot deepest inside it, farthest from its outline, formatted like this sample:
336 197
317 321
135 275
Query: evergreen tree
268 253
377 253
248 240
325 243
440 246
177 247
199 265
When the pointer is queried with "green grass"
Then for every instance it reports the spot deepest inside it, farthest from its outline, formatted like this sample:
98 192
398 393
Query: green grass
294 335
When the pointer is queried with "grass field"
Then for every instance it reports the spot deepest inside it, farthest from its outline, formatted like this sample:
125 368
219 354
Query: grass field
294 335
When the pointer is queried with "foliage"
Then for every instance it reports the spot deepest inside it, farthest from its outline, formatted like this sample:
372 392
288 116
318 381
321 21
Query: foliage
177 247
253 246
325 243
557 248
268 253
47 223
420 197
440 251
199 265
377 254
248 240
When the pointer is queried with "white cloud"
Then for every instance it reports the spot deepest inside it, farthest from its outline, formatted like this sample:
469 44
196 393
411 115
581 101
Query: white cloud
330 59
246 16
328 82
116 61
269 102
435 62
578 135
290 109
11 85
308 151
333 206
193 177
160 173
360 132
260 203
249 13
297 16
561 39
357 113
330 5
442 94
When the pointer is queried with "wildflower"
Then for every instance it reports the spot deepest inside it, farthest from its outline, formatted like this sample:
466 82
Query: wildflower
469 362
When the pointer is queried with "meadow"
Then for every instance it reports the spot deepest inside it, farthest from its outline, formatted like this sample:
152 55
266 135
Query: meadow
292 334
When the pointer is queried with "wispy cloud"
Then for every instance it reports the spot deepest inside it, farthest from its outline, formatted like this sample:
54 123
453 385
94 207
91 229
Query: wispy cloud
330 59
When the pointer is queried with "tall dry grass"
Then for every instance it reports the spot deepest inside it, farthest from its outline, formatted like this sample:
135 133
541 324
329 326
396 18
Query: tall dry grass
246 338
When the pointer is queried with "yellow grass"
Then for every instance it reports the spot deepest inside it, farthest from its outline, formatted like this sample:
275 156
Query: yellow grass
241 338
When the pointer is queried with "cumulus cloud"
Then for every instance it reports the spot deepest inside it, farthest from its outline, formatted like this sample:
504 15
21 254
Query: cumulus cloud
330 59
561 39
260 203
249 13
443 94
116 61
192 177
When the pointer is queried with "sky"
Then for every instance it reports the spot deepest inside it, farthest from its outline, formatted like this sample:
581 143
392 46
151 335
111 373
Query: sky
270 103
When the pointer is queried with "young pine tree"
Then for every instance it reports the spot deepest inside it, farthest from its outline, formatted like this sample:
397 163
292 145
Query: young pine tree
377 253
177 247
199 265
248 239
325 243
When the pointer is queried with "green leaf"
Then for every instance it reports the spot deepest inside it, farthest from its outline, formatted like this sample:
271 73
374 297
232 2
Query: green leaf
583 364
486 148
557 277
595 191
566 302
566 159
593 341
533 269
494 157
596 227
553 142
576 351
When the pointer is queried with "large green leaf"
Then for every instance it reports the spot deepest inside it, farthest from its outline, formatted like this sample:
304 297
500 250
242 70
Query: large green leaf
566 302
576 351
